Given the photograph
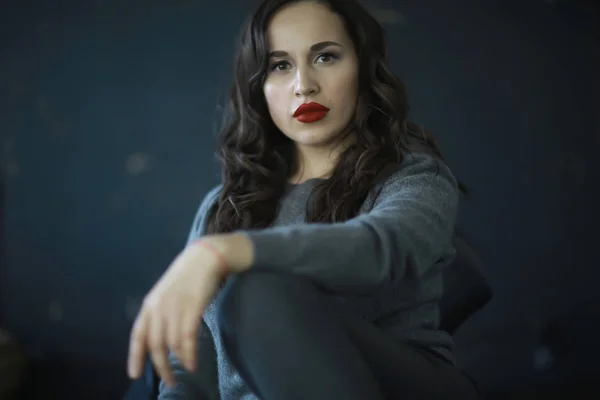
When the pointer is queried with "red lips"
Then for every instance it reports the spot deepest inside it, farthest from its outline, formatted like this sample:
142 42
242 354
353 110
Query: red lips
310 112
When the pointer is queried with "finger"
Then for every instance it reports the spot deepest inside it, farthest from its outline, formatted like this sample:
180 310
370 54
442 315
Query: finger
137 346
158 349
189 340
174 332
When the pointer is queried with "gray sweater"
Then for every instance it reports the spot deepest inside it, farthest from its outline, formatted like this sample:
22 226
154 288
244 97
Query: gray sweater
384 265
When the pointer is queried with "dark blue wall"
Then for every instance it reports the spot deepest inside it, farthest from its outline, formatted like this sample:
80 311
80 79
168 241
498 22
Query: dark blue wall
108 114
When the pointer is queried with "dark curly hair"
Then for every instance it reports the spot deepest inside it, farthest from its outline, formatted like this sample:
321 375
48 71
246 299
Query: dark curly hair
256 159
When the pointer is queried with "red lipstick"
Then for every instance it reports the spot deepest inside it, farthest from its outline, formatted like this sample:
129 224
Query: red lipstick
311 112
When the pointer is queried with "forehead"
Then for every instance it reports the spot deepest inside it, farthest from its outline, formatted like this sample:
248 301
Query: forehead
300 25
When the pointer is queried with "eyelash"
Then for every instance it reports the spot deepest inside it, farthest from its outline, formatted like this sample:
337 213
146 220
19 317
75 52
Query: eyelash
329 55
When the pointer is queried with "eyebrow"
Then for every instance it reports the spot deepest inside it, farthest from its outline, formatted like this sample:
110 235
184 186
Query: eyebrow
313 49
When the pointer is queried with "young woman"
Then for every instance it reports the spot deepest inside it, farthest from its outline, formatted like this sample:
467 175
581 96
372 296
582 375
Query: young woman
314 270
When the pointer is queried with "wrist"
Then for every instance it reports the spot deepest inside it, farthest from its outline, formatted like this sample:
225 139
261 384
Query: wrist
219 265
234 251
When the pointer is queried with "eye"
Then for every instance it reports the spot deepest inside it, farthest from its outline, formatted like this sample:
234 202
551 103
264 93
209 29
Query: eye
326 57
280 66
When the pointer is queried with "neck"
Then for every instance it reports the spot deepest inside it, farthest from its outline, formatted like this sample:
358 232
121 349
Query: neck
315 162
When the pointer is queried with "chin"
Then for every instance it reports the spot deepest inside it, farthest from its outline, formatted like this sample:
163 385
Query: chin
313 137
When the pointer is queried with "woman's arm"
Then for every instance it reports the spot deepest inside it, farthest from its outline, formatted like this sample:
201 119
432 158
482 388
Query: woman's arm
408 231
203 383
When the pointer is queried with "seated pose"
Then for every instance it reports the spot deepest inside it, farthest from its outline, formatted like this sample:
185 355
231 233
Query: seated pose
314 270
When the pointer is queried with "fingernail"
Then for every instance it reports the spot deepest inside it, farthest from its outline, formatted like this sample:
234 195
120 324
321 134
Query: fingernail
131 370
191 365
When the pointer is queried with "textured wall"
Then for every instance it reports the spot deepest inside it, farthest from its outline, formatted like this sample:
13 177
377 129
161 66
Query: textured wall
107 118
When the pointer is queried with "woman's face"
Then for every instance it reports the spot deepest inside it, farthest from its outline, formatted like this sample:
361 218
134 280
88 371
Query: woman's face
312 63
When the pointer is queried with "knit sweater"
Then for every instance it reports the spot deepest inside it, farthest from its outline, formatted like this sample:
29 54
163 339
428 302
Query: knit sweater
384 265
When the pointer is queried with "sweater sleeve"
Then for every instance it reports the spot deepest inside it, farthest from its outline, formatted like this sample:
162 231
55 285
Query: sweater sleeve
203 384
408 230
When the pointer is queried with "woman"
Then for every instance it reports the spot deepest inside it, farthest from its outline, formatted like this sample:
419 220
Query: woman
313 271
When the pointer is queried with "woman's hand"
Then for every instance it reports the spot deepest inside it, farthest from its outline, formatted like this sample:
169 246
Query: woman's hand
171 312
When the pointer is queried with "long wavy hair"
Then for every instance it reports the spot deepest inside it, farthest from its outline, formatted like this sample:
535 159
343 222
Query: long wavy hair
256 159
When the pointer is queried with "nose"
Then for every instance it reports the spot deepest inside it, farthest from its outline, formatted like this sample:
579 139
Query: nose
306 84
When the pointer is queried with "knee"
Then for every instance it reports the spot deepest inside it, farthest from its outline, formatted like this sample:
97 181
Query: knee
251 300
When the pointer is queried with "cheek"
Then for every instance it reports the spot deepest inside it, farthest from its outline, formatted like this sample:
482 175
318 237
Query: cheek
345 90
275 100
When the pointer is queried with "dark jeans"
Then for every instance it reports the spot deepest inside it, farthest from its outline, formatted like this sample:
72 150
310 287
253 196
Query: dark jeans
289 340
